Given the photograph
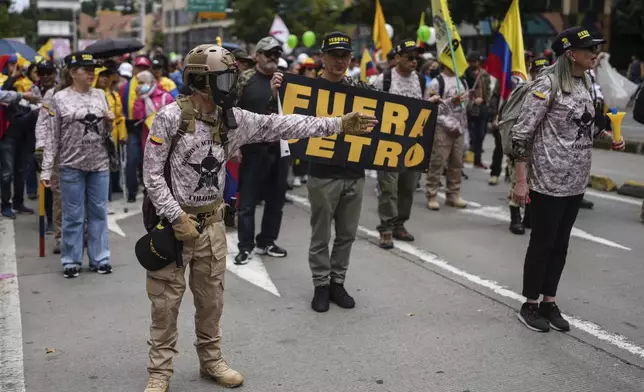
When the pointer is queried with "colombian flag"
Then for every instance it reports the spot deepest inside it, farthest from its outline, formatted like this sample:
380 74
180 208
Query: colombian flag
367 68
506 55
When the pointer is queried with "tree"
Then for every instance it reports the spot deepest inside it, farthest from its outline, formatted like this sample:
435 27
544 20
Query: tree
404 15
628 17
253 18
89 7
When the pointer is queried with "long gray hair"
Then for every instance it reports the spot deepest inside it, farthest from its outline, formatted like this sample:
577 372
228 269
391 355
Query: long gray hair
562 70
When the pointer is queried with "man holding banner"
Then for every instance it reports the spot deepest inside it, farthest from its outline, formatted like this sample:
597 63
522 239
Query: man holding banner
402 142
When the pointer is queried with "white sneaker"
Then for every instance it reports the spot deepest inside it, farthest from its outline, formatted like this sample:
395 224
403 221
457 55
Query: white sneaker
297 181
110 210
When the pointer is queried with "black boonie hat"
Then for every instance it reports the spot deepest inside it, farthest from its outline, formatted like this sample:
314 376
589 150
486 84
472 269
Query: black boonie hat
406 46
158 248
576 38
80 59
336 41
46 67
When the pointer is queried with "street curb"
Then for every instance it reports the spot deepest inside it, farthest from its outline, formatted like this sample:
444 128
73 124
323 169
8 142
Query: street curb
632 188
632 146
601 183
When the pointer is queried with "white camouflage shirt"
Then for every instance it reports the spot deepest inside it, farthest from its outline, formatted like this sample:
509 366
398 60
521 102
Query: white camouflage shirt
561 138
198 165
451 118
78 131
407 86
43 125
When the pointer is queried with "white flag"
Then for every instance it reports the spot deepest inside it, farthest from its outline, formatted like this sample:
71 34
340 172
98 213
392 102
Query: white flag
280 32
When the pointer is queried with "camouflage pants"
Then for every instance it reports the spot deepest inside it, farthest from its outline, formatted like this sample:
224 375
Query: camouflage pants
56 209
448 147
511 172
206 257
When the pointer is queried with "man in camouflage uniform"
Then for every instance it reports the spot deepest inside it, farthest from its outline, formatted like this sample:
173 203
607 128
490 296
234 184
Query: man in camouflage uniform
262 172
195 136
47 73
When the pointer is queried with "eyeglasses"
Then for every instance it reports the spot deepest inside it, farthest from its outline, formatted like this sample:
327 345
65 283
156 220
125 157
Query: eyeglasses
275 54
412 57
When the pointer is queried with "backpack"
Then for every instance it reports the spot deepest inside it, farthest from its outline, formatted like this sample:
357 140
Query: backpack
441 84
511 109
188 117
638 106
386 82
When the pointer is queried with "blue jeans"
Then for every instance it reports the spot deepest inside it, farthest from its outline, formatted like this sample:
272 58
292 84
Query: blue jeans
134 161
74 185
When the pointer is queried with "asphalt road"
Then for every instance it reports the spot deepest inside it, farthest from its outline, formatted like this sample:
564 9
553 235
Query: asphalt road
435 315
632 130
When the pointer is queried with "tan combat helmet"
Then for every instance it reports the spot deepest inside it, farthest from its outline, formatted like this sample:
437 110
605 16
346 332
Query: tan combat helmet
207 59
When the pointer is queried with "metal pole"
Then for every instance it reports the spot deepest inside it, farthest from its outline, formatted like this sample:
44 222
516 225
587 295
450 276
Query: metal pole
142 22
74 30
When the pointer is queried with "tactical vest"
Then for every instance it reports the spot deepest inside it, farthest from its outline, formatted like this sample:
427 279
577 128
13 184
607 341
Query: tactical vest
187 125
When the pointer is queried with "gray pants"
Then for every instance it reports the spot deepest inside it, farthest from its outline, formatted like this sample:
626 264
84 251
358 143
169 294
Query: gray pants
396 198
339 201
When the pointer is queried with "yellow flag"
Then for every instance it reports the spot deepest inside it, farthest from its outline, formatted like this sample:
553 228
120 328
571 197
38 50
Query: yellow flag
381 39
451 57
45 49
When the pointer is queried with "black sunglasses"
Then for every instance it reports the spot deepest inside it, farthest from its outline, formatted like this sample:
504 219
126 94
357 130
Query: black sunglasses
411 57
275 54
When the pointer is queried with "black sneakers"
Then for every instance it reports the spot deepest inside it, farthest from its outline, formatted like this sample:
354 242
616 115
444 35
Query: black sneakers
71 271
243 257
102 269
550 312
320 302
271 250
339 295
529 315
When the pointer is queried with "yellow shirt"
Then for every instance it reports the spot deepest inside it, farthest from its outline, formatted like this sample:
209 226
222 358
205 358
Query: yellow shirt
23 84
119 132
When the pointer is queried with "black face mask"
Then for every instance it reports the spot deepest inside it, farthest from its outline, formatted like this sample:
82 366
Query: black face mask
434 72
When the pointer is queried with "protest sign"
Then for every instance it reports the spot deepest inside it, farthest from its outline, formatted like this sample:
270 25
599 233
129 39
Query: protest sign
402 140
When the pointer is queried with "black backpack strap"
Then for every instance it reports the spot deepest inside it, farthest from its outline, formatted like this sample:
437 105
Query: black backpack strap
386 80
423 84
441 85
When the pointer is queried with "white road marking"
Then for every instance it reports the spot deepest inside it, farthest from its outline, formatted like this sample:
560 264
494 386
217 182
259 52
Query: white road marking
502 214
590 328
609 196
119 213
253 272
12 373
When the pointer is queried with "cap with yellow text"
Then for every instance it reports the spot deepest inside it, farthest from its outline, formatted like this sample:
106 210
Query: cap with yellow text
80 59
336 41
407 46
576 38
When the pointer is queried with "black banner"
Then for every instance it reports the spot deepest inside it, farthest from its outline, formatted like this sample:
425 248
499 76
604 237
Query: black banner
402 140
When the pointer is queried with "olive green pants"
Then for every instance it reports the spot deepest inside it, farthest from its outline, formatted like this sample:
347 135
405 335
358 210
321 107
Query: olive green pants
396 198
333 201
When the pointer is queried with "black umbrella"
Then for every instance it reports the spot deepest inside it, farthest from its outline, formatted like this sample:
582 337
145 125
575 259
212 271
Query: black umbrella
106 48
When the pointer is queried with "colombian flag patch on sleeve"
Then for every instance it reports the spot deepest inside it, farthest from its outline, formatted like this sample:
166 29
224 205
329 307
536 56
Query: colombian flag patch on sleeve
157 141
539 95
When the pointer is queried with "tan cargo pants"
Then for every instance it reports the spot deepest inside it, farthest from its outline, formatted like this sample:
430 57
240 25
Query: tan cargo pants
206 257
56 209
448 147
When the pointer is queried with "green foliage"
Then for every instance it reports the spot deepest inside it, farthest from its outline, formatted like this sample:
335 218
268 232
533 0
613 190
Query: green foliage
89 7
157 39
253 18
24 24
628 17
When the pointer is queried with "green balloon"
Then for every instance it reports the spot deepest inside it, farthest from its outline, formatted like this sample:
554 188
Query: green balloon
423 33
308 39
292 41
